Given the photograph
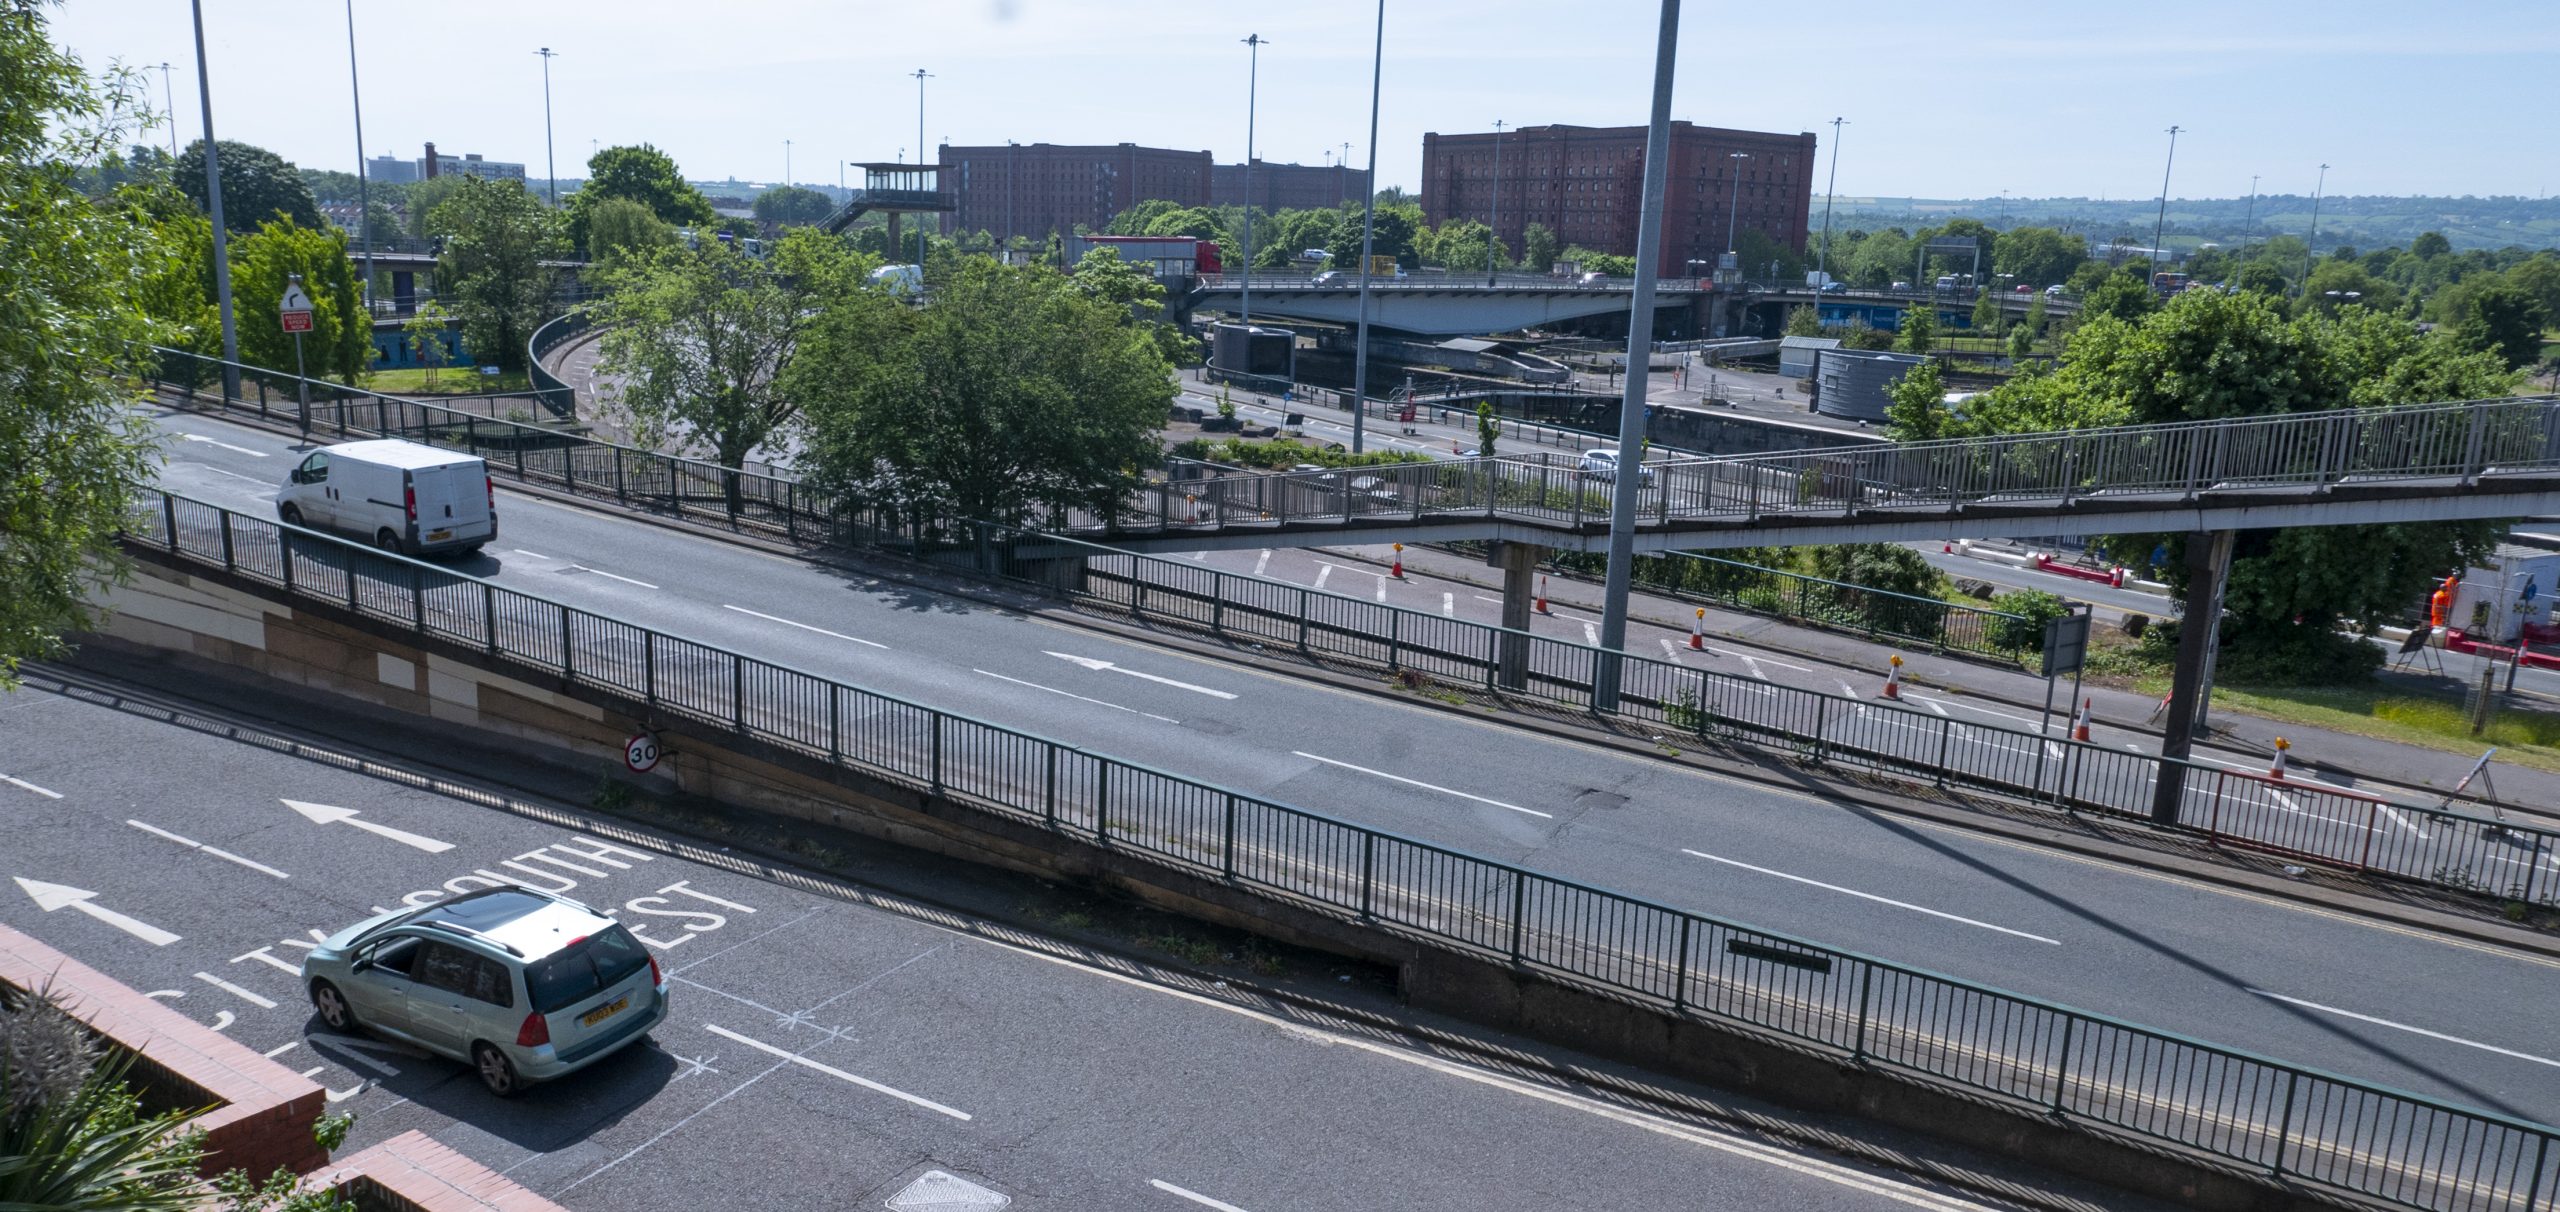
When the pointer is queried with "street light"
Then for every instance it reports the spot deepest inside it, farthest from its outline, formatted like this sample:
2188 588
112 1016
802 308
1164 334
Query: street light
1822 260
786 163
169 94
1252 82
2250 223
364 192
921 76
2314 238
213 203
1493 238
550 170
1368 237
1733 209
2161 224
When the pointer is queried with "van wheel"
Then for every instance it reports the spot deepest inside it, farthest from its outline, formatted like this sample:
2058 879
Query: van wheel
496 1071
389 540
292 514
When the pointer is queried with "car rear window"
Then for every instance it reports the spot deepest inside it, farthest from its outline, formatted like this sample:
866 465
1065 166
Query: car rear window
583 968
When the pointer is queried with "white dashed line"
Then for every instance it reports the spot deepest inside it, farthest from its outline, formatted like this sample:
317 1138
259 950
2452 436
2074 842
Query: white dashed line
802 626
2384 1022
24 785
215 851
613 575
1398 778
1077 697
1194 1196
1869 896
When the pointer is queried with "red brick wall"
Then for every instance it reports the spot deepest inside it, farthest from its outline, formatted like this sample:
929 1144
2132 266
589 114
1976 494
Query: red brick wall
411 1173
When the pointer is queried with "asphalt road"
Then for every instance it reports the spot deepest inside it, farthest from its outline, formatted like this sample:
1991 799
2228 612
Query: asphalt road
820 1051
2273 977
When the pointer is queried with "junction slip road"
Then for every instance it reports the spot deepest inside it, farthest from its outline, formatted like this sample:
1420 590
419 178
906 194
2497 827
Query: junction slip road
2289 980
823 1048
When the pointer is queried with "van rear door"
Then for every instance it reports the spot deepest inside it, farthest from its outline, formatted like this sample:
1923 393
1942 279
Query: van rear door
452 502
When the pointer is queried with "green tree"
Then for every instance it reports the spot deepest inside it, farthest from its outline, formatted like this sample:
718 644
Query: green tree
1919 328
257 186
2124 293
1916 410
1986 312
1804 322
2500 318
1104 277
1593 261
1488 428
72 338
644 175
2022 339
425 197
792 206
620 227
340 343
1538 248
2038 256
424 334
2429 245
1459 244
496 237
705 338
1014 393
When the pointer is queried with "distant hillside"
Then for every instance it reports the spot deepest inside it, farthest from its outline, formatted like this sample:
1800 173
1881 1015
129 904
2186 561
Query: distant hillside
2364 222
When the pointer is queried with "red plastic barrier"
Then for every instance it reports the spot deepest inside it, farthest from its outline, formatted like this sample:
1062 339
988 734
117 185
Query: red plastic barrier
2100 575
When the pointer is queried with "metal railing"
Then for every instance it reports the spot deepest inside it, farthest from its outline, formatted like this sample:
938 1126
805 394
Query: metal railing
558 396
1820 602
2107 1075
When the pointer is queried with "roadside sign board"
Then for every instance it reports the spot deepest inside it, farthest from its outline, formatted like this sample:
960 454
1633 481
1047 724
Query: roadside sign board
2066 643
296 309
641 752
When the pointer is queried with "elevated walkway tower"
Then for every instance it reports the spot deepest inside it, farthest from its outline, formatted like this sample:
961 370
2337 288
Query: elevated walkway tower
893 189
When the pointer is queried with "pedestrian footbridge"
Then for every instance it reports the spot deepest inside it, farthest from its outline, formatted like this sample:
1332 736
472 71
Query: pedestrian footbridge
2432 462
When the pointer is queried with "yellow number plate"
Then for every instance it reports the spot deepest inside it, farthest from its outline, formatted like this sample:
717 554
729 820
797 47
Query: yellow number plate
438 536
601 1013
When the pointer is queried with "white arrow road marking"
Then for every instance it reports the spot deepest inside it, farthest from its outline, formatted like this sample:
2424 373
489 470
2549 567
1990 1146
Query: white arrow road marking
197 437
2384 1022
1670 652
1398 778
1869 896
1101 666
1186 1193
50 897
324 814
802 626
236 991
215 851
24 785
1077 697
831 1071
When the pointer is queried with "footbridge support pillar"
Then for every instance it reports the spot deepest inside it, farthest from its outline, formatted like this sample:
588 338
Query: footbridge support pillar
2199 629
1519 565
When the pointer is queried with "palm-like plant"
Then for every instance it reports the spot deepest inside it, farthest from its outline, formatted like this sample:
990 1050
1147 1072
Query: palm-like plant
72 1134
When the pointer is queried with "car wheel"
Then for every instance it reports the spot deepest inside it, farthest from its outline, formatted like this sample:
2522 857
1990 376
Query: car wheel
389 540
496 1071
335 1013
292 514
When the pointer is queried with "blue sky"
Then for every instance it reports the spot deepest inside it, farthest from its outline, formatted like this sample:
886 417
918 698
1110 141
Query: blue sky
2059 98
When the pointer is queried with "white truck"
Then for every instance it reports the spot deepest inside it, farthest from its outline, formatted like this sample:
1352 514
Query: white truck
399 496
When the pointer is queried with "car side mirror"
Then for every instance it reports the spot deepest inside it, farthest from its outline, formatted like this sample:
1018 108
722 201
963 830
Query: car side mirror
296 477
362 965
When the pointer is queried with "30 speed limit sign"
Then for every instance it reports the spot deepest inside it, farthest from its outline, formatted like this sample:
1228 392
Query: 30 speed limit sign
641 752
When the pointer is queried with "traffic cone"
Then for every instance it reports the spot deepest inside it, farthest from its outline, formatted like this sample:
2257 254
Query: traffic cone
1893 680
1698 631
2115 577
1947 548
1397 569
2080 726
2275 769
1542 594
1190 508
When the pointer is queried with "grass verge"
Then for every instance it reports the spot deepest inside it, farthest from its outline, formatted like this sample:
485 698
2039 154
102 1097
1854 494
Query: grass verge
2523 737
449 381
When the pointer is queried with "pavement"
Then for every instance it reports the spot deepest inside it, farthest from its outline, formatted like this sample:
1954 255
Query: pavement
2242 968
832 1042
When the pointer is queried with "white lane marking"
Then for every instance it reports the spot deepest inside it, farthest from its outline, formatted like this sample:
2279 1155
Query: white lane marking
1398 778
236 991
1670 651
24 785
2384 1022
281 1049
1931 704
1871 897
802 626
2261 768
832 1071
328 814
1982 710
1194 1196
344 1049
50 897
1782 664
1077 697
1845 688
1101 665
215 851
2401 821
1753 664
1199 557
233 474
1382 589
1322 573
1449 605
197 437
1591 634
535 554
614 575
1262 561
1482 598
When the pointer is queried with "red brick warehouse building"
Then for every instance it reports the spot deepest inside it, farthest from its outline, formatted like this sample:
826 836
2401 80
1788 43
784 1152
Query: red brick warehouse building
1032 189
1586 184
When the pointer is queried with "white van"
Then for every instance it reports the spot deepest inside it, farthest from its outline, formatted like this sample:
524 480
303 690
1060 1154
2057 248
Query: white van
399 496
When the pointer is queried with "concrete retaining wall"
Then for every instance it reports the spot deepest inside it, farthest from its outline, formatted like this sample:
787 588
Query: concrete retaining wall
371 668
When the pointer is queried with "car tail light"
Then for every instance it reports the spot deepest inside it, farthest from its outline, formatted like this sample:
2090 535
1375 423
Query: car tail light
409 500
535 1032
492 483
655 978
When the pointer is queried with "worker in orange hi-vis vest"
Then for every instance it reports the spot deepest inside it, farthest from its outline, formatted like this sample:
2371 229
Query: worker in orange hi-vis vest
2438 605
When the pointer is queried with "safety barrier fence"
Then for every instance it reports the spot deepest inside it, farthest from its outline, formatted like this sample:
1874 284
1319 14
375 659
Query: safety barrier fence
557 395
2105 1074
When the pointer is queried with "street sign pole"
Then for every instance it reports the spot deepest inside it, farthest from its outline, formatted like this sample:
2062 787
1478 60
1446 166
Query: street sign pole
301 390
294 314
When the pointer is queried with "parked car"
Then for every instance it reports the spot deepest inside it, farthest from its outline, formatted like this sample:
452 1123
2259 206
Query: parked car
2054 291
1603 465
2025 289
522 985
1835 288
399 496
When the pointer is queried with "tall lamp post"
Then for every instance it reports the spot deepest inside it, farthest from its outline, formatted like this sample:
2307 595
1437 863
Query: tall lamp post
786 163
1244 293
1822 260
364 189
2250 223
550 170
1733 208
168 93
1368 237
213 203
2161 224
2314 238
1493 238
921 76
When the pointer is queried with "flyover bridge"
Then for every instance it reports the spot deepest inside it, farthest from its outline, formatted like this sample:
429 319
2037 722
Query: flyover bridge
2432 462
1468 305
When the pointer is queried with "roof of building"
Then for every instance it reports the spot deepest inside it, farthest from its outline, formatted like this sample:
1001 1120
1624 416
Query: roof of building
1808 342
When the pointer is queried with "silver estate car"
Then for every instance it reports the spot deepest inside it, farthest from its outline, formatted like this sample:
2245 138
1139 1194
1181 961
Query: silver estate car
521 985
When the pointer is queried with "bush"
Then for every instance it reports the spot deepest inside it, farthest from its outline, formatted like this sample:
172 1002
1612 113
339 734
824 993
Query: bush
2287 654
2035 608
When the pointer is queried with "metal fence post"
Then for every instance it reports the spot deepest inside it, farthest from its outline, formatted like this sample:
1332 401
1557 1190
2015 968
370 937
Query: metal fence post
2533 1186
1395 639
418 598
1368 869
568 665
621 489
1049 786
284 558
1217 603
1946 735
227 563
169 520
1227 861
1866 998
936 769
2284 1129
2062 1061
1102 801
489 615
1302 610
1519 909
1680 969
738 692
649 667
